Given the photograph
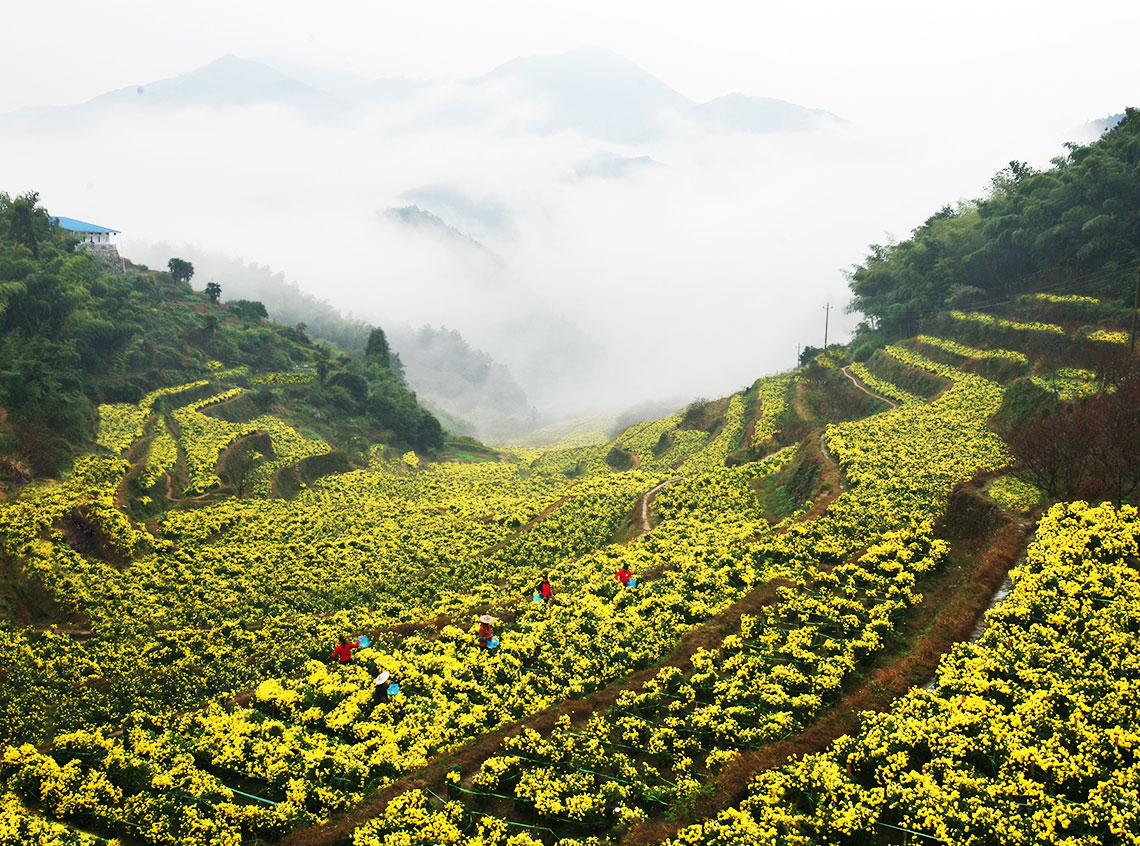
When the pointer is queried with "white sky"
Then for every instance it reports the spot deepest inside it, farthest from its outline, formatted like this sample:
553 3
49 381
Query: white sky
703 274
861 60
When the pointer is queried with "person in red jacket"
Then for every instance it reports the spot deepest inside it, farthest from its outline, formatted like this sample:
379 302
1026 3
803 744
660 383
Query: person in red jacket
623 575
343 652
485 630
544 590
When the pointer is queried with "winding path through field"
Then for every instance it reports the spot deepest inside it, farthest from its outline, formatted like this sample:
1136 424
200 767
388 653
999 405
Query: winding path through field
643 505
867 390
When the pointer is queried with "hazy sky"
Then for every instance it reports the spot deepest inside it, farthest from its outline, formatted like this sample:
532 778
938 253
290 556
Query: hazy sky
878 59
690 278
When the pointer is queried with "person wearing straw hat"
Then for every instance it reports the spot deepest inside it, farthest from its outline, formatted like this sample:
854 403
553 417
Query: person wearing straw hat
380 688
485 630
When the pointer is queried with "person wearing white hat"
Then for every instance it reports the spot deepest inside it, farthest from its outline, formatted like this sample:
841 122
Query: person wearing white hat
380 688
485 630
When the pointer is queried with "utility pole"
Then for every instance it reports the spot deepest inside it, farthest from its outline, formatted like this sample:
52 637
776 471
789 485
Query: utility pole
826 315
797 355
1135 303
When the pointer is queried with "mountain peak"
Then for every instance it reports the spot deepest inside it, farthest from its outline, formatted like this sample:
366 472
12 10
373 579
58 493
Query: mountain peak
590 89
225 82
596 90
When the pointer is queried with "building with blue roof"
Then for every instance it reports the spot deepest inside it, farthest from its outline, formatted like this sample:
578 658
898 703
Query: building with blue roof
93 237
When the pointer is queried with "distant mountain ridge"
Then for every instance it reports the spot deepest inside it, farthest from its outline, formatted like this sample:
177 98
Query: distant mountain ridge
590 89
433 224
228 81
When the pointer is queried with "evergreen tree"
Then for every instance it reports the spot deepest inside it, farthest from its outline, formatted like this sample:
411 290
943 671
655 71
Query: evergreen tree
377 348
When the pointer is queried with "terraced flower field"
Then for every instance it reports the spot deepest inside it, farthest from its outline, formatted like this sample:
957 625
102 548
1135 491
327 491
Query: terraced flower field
186 695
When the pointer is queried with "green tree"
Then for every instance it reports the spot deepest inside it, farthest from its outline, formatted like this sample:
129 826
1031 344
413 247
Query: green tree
243 462
353 383
377 348
397 366
28 223
808 354
321 354
180 270
247 309
213 292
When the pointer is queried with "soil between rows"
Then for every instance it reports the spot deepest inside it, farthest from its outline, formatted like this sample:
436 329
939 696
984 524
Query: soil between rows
954 598
708 635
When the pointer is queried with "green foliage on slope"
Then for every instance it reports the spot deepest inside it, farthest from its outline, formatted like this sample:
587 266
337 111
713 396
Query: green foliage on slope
73 335
1080 216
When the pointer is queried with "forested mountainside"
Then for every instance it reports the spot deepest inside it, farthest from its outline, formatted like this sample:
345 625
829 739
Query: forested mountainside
73 336
283 299
464 386
464 383
1073 226
767 620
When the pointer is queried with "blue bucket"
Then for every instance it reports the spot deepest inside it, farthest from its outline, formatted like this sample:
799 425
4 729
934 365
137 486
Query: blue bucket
631 583
393 689
363 641
537 597
493 643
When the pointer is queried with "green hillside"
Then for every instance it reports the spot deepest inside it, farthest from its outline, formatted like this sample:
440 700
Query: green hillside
805 655
463 386
74 336
1073 228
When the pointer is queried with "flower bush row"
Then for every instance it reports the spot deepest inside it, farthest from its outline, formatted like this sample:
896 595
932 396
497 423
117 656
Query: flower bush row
883 386
990 320
1028 736
972 352
654 748
121 424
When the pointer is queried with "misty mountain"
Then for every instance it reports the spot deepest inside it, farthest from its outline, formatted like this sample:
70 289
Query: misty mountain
473 214
1107 123
448 374
611 166
285 301
431 225
582 223
761 114
590 90
451 376
353 88
225 83
595 91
